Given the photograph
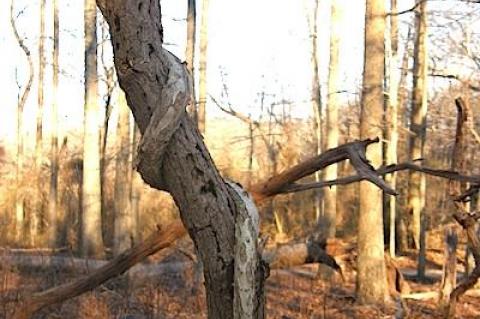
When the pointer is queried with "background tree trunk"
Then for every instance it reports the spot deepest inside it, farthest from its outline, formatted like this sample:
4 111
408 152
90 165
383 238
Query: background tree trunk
19 196
123 230
53 191
92 242
416 181
402 218
35 213
190 53
393 75
449 277
202 71
371 273
333 104
316 97
136 185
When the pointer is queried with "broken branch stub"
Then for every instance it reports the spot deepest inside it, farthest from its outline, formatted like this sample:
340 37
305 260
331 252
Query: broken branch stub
466 220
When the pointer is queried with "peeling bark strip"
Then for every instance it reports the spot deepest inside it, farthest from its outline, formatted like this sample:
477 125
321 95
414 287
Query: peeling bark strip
247 258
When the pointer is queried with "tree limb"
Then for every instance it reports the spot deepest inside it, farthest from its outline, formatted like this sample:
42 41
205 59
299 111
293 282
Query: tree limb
157 241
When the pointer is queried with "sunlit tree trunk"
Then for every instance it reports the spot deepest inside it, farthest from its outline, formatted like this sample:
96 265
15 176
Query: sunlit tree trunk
316 99
92 242
36 212
202 71
53 192
136 185
416 181
333 104
123 230
401 219
393 77
19 196
109 81
371 273
190 52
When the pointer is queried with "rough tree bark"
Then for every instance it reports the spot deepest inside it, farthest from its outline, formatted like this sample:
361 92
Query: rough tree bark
416 181
91 230
371 272
172 155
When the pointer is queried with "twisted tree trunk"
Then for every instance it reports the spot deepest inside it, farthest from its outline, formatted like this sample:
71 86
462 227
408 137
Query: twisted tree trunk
172 155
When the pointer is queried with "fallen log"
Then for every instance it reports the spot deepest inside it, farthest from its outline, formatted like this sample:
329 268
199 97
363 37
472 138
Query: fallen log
157 241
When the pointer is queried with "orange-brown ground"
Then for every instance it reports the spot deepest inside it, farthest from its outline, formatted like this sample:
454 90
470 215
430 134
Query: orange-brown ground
294 293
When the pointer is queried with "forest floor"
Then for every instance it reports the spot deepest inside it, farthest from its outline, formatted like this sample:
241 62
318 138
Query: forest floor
293 293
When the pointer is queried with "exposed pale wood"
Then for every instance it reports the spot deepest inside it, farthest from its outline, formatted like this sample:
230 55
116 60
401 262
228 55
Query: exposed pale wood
435 295
247 302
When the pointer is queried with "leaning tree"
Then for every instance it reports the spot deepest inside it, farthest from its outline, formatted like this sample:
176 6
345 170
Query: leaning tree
219 215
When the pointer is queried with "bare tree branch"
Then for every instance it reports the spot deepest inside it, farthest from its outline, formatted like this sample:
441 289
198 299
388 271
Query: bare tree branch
416 5
458 78
157 241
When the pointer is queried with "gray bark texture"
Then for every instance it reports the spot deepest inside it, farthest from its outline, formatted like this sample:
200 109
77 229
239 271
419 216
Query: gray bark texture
172 155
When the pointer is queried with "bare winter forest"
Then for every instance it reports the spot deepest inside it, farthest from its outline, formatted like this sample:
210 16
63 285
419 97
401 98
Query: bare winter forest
239 159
